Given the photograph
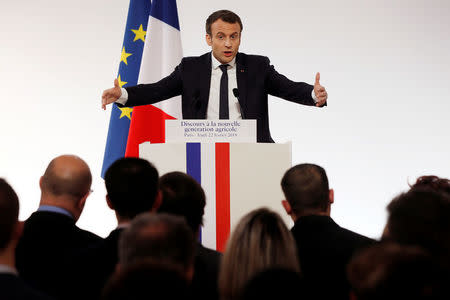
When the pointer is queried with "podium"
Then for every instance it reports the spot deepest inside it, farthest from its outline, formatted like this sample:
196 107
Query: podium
236 177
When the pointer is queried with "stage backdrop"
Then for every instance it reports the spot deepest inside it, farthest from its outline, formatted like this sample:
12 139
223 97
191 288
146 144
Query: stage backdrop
385 64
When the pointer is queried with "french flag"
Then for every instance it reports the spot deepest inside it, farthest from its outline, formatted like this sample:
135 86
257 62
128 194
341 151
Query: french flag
162 53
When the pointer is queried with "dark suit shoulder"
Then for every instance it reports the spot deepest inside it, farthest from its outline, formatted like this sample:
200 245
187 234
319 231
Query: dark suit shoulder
13 288
206 272
319 237
212 257
192 59
252 59
47 217
193 62
355 237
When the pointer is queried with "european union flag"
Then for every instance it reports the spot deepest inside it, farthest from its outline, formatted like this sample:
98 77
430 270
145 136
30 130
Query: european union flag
130 63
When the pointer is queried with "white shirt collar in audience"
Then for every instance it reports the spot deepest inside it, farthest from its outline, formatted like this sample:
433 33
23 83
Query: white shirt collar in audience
4 269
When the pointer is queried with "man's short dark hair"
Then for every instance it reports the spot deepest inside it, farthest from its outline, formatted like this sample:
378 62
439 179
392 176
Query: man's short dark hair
420 217
224 15
161 237
432 182
9 212
132 186
305 187
182 195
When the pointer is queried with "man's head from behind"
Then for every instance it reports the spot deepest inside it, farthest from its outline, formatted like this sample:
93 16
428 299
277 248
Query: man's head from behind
66 183
432 182
182 195
421 217
223 34
392 271
159 237
158 280
9 212
305 187
132 187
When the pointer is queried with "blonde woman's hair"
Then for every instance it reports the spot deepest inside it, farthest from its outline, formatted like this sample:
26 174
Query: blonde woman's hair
260 241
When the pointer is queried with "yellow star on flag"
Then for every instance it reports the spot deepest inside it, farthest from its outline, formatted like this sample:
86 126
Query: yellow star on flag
139 34
121 83
126 112
124 56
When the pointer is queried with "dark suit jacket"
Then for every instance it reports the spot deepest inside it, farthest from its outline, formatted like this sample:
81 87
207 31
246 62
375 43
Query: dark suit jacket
206 273
324 249
48 240
93 266
256 78
13 288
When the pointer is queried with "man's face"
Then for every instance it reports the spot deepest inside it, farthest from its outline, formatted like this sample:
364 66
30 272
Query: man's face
224 40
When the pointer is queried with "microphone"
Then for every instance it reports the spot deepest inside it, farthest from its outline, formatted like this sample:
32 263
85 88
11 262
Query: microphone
236 94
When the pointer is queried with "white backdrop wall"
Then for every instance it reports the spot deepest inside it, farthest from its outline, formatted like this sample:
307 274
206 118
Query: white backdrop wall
385 64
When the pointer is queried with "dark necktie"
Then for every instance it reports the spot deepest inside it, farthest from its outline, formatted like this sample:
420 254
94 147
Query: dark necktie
223 108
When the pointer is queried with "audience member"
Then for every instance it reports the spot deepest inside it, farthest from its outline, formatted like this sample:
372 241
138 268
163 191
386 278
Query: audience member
158 237
50 234
391 271
274 283
11 286
324 248
259 241
146 280
182 195
421 217
432 182
132 188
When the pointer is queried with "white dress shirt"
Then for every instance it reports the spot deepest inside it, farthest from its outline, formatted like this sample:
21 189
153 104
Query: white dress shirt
214 91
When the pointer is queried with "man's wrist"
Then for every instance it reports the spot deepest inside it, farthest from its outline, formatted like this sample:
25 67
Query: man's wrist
123 98
313 95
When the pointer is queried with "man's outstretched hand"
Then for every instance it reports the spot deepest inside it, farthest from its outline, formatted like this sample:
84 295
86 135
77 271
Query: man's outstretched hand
320 92
111 95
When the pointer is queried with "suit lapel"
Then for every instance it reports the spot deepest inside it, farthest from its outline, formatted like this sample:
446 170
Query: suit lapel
204 82
241 77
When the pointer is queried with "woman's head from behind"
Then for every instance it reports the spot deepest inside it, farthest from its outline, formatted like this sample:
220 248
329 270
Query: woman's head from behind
260 241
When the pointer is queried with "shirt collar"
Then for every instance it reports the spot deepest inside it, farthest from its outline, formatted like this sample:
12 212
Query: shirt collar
216 64
4 269
55 209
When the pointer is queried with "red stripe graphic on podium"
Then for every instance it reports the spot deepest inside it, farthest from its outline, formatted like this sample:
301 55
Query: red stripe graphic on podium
222 195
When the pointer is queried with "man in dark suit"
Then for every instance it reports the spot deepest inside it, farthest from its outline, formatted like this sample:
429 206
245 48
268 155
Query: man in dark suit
183 196
132 188
324 248
50 235
224 85
11 286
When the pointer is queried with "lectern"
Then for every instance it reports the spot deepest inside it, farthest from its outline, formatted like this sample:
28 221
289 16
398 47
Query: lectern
236 177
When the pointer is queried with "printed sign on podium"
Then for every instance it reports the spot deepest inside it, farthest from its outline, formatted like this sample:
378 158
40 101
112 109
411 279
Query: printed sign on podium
210 131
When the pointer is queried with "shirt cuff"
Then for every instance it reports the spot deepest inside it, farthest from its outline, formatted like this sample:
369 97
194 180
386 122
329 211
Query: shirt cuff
313 95
123 98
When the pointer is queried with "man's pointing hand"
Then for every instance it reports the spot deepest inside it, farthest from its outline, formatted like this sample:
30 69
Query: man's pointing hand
111 95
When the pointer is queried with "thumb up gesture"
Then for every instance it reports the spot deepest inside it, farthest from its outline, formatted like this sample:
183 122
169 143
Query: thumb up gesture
320 92
111 95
